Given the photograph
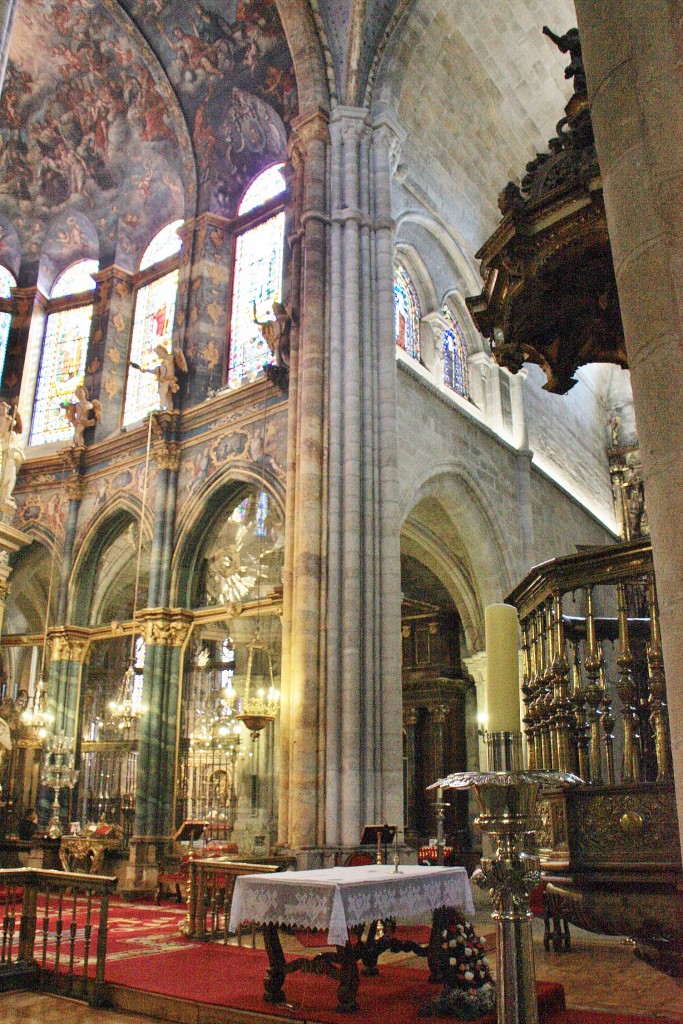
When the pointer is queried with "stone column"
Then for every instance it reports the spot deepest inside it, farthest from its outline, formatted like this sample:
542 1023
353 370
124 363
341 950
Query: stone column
303 716
364 743
7 11
410 809
75 488
69 651
165 632
166 454
112 325
632 54
26 335
201 322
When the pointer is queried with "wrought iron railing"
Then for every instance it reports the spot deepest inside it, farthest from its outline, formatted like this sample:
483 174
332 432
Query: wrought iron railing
54 931
570 685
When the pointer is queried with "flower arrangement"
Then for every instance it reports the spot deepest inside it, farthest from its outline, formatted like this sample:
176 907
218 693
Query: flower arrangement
468 991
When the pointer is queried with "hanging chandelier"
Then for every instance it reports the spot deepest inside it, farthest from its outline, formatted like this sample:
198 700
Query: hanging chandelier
261 703
37 717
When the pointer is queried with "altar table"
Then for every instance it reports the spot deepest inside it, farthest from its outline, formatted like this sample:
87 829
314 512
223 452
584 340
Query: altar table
341 901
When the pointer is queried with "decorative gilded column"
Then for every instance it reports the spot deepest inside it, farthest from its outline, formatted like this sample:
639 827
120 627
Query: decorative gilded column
657 699
107 363
592 663
201 321
562 718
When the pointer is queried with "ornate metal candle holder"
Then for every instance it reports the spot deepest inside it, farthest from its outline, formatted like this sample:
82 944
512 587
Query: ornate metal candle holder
58 773
507 805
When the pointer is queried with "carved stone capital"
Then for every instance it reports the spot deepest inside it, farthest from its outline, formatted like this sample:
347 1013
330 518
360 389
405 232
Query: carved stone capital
308 128
75 487
69 643
164 627
167 455
165 424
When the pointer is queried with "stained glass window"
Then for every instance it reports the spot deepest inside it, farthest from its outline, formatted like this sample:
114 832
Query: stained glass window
7 282
152 325
257 284
62 363
268 185
407 314
455 356
164 244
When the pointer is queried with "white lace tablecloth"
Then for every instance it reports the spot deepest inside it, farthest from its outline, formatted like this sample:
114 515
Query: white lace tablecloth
336 899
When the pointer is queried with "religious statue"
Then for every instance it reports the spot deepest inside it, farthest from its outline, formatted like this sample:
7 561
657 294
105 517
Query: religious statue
82 413
165 373
11 452
614 424
276 332
570 43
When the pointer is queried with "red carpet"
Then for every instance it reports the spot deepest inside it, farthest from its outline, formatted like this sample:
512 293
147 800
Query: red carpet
600 1017
229 976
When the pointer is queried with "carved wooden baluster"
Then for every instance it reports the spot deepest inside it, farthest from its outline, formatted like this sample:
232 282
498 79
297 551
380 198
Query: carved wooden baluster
592 663
534 732
527 691
46 933
59 925
8 924
541 709
563 707
87 932
581 723
626 690
608 727
657 699
73 927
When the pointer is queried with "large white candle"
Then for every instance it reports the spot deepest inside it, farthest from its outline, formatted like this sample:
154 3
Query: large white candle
502 669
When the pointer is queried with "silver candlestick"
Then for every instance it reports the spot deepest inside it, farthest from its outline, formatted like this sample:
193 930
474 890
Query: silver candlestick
507 805
58 773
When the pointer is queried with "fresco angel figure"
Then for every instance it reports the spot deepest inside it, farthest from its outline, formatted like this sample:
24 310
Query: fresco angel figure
82 413
11 452
165 373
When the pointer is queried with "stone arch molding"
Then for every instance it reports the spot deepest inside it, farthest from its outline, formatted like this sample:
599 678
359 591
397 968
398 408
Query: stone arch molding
101 529
199 513
465 509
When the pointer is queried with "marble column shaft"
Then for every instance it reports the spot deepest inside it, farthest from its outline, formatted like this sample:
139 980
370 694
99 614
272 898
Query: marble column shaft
302 727
363 701
112 325
632 54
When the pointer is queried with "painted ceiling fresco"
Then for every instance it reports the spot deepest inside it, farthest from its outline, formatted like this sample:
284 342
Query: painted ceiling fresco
99 128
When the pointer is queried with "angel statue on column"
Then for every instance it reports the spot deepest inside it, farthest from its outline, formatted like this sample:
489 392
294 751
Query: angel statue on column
276 332
11 452
82 413
165 373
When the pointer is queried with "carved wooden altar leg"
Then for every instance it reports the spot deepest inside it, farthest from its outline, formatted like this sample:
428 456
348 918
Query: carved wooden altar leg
275 975
348 979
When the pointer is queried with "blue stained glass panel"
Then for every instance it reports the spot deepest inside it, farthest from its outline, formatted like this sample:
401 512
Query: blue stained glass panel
407 314
7 282
257 283
455 356
268 185
164 244
152 326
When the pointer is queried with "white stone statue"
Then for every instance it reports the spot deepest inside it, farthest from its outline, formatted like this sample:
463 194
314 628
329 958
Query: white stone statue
11 452
82 413
165 373
276 332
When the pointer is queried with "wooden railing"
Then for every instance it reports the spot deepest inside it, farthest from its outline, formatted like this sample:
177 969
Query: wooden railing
54 931
210 888
569 685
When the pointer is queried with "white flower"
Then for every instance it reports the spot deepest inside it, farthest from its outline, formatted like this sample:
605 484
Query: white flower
485 961
468 951
444 934
452 943
469 976
452 961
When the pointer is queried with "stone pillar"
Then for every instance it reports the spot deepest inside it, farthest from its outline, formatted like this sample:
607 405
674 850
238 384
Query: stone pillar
364 778
166 454
303 716
632 58
25 336
70 649
11 541
112 325
75 488
201 323
165 632
7 11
